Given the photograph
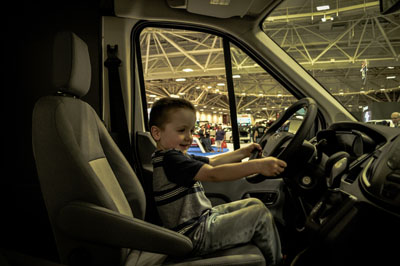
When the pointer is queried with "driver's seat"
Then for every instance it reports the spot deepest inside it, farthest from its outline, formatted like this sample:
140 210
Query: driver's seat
95 202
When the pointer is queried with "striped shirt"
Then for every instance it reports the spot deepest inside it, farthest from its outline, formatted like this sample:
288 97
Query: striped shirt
181 202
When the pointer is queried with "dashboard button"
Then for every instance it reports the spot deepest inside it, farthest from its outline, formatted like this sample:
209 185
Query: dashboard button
394 177
394 158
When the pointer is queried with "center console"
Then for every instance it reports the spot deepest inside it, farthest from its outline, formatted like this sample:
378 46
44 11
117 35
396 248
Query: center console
331 215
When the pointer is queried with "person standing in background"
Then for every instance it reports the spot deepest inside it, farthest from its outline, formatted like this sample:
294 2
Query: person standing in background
219 138
258 132
205 138
395 119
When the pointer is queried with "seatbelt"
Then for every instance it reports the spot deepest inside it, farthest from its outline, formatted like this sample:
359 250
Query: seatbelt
119 126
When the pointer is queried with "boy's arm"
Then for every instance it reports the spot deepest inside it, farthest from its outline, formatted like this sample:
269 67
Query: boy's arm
268 166
234 156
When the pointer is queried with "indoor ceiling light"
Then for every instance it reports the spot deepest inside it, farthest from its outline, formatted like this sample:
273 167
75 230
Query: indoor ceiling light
174 96
390 77
180 79
236 76
324 7
220 84
187 70
325 18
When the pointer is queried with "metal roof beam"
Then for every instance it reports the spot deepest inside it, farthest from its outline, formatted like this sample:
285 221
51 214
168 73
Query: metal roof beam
385 37
182 50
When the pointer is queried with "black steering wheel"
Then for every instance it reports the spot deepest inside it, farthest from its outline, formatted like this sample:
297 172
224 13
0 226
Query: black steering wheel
285 145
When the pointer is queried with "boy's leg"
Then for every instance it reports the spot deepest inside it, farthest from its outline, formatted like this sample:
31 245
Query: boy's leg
241 222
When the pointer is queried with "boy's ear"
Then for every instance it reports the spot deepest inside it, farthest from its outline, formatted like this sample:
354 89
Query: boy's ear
155 133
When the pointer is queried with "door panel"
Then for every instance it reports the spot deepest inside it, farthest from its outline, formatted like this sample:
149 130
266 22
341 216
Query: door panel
269 191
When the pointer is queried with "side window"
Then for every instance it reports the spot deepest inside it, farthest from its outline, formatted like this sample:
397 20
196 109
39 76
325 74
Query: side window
260 99
185 64
191 65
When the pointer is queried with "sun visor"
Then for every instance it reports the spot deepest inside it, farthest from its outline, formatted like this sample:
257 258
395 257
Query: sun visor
220 8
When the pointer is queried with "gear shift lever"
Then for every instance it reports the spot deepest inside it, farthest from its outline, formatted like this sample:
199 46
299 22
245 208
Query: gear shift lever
335 166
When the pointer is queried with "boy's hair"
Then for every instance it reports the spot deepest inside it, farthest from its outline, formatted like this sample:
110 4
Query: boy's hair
159 113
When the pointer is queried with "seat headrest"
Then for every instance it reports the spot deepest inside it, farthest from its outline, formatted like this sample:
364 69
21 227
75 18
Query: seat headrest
71 64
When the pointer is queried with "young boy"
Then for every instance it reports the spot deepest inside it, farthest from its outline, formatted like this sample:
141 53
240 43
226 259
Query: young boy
179 195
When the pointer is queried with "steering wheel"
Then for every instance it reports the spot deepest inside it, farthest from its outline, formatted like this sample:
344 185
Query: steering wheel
285 145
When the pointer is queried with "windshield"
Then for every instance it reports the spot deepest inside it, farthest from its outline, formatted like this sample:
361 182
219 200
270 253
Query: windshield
348 46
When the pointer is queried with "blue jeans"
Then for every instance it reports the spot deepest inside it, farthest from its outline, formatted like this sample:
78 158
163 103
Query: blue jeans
241 222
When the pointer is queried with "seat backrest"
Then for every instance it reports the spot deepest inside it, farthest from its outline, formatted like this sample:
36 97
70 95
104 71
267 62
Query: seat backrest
76 159
146 146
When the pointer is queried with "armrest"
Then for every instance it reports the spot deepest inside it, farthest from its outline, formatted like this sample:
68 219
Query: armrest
93 223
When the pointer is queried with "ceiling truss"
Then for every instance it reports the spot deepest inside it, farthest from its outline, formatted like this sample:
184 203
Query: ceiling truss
332 51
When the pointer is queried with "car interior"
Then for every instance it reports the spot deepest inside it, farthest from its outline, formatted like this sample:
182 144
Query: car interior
90 75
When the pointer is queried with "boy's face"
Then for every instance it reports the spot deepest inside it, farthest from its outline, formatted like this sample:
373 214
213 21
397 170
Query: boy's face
177 132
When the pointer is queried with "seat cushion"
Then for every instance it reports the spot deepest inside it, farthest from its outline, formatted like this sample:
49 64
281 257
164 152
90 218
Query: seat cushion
241 255
248 255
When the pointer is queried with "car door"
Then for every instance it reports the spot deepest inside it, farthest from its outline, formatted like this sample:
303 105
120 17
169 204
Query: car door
225 84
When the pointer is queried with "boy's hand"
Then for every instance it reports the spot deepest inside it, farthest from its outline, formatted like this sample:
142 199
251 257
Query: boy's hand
249 149
271 166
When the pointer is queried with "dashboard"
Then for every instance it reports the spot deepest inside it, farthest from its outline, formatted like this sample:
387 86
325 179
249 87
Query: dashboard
361 203
372 170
